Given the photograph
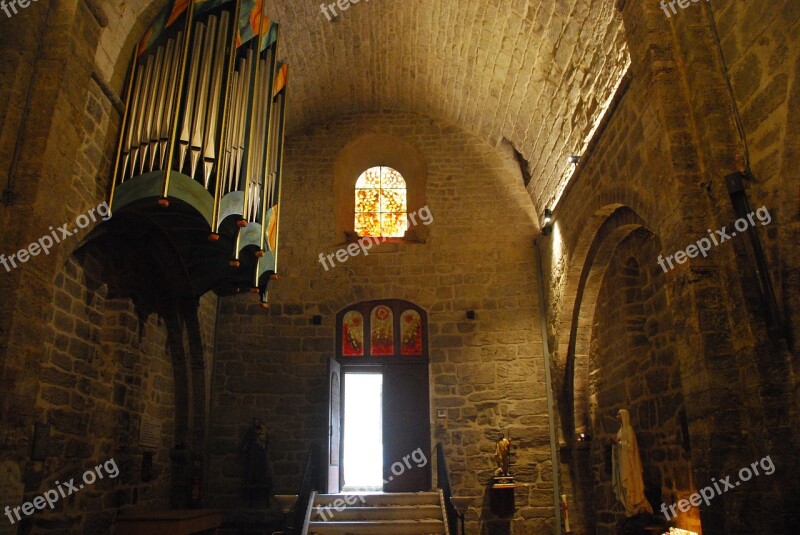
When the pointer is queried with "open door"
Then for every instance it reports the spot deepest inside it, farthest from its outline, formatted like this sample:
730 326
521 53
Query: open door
406 428
334 425
388 337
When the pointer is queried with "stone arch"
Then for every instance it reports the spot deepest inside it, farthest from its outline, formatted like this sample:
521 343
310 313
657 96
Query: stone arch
633 363
144 346
127 22
621 224
607 227
597 250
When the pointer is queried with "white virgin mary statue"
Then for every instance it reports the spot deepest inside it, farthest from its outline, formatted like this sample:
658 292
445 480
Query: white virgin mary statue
627 469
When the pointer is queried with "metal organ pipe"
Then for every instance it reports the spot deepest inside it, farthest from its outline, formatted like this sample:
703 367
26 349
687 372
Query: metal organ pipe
189 103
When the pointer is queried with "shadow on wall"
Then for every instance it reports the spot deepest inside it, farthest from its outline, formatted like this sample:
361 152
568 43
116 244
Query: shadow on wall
490 523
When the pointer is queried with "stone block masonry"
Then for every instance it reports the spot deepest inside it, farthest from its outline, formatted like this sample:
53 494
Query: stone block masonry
365 243
52 496
47 241
717 488
718 237
487 374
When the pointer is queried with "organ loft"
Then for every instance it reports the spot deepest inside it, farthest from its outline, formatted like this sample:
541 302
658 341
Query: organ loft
399 267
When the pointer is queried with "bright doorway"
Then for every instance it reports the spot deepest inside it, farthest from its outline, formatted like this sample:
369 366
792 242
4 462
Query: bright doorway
363 432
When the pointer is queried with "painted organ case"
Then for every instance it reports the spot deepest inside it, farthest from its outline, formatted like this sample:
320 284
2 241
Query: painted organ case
198 165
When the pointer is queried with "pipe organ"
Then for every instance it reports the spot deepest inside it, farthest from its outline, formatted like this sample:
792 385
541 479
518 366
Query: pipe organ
201 142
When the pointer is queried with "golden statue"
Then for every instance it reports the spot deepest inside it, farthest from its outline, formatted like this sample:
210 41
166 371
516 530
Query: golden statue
502 455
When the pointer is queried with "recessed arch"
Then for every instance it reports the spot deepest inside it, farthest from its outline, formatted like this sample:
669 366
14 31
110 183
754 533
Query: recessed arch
591 386
629 360
375 150
608 227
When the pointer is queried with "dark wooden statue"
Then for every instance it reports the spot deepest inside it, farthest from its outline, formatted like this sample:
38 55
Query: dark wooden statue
257 472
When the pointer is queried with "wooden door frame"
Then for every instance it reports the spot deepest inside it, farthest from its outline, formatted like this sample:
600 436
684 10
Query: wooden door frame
366 362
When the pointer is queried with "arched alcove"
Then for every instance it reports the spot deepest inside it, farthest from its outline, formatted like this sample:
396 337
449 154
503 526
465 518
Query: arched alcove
136 363
622 354
633 364
371 150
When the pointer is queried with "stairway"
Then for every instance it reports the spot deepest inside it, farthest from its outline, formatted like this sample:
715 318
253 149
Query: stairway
420 513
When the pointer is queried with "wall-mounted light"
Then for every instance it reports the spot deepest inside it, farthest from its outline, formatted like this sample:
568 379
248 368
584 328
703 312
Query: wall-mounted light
574 159
547 224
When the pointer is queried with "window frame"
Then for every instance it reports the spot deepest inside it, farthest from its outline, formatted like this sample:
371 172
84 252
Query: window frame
371 150
397 306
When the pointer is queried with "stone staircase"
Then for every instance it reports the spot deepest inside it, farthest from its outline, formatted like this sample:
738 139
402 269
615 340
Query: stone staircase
419 513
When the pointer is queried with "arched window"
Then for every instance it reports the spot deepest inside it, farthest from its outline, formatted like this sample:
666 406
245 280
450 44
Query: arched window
381 203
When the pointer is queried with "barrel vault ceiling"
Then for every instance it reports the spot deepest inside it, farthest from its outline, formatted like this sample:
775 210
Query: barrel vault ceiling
536 73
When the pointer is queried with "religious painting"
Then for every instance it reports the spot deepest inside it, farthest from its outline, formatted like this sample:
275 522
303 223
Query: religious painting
381 331
353 334
410 333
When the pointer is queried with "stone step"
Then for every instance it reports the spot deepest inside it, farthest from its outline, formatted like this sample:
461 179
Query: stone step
378 499
397 512
392 527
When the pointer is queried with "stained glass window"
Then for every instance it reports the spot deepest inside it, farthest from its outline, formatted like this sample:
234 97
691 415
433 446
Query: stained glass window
381 203
410 333
353 334
386 329
381 331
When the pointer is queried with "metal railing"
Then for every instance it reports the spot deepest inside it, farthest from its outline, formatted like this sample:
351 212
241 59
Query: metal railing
297 516
443 479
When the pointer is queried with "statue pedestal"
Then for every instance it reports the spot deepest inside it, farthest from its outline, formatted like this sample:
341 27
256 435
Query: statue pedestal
501 496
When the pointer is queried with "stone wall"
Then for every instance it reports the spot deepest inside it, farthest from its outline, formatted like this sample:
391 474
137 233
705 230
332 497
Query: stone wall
87 344
761 48
104 368
663 154
479 255
111 354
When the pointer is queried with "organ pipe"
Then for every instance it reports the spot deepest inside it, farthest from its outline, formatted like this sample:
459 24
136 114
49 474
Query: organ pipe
200 108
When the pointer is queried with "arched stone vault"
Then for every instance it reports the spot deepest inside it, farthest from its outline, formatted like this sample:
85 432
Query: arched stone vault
540 82
521 71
